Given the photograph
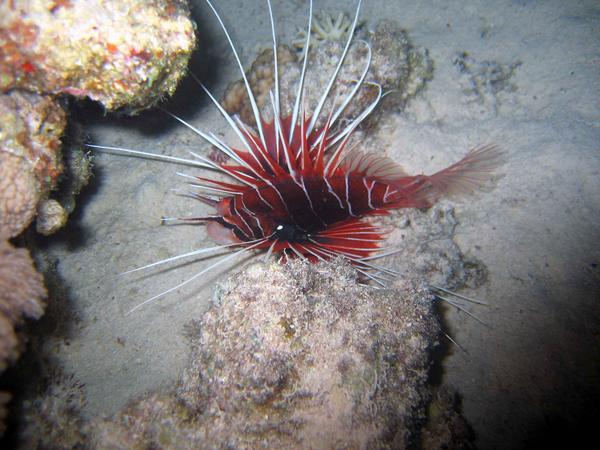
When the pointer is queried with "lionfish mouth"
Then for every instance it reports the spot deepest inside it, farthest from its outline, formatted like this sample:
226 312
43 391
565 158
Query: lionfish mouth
295 189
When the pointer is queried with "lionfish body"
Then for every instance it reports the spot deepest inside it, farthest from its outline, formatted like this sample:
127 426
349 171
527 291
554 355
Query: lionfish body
296 189
296 201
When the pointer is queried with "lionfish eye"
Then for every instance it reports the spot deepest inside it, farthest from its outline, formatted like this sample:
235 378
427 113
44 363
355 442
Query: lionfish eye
290 233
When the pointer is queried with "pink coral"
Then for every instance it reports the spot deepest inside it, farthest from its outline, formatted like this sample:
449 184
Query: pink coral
21 293
19 195
21 296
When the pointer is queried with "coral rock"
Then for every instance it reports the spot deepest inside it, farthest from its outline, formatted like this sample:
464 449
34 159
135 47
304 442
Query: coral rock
52 418
121 53
51 217
397 65
261 77
446 427
302 355
294 356
19 195
30 158
21 289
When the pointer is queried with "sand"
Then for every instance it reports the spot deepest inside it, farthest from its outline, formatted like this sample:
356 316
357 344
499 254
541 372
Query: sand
531 374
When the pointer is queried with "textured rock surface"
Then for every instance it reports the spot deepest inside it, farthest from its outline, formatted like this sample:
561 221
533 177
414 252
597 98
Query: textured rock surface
301 355
445 427
30 156
120 53
400 68
52 417
21 294
293 356
426 244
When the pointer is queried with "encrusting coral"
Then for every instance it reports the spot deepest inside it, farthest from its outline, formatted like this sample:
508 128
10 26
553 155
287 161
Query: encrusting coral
121 53
22 293
125 54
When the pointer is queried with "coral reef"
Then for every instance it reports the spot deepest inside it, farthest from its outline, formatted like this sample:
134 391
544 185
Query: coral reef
30 156
120 53
21 296
401 68
52 416
397 65
261 77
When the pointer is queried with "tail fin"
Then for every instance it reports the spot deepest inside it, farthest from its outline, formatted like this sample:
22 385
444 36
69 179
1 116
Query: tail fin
471 174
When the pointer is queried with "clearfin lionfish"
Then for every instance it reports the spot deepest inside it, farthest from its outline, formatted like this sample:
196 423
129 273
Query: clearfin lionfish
297 190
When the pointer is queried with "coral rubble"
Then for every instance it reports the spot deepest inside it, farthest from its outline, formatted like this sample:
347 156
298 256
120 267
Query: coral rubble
120 53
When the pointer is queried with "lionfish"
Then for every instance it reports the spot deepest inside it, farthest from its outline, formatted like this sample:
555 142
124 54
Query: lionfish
297 190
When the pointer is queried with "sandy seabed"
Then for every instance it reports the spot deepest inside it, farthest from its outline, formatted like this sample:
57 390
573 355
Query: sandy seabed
521 74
